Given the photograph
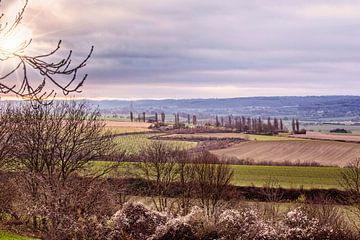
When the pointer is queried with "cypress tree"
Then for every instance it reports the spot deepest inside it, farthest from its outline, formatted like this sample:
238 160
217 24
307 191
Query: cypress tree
297 126
217 124
131 116
194 120
293 125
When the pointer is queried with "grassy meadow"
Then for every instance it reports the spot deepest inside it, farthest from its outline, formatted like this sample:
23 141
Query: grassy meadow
12 236
288 177
134 143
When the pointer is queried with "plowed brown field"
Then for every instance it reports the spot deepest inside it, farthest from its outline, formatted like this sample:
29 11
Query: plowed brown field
333 137
323 152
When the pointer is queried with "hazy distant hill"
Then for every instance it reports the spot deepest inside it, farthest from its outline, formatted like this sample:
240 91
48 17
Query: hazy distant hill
311 107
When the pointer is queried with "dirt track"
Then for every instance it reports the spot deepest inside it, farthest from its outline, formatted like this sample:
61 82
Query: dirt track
323 152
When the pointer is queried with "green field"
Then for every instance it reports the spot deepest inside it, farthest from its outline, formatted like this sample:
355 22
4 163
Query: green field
11 236
288 177
134 143
129 130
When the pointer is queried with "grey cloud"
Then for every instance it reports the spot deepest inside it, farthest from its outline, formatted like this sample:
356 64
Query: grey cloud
306 45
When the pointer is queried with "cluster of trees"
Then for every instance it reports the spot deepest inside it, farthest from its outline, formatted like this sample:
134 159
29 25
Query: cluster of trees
155 118
43 150
251 125
295 124
202 179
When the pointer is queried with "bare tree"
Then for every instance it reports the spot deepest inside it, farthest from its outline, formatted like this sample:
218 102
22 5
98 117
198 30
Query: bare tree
7 126
350 181
212 179
273 195
62 74
185 179
158 168
54 143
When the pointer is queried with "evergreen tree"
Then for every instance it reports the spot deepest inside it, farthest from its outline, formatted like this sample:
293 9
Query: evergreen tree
293 125
269 125
194 120
297 126
260 125
131 116
217 121
276 124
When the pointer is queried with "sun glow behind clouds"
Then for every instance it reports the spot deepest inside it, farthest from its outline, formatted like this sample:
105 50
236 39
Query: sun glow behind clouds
14 42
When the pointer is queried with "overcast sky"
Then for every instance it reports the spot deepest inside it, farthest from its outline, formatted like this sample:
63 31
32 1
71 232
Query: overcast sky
204 48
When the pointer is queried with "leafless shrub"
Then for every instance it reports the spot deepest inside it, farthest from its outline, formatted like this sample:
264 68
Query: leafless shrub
8 196
350 181
273 195
328 214
7 132
185 178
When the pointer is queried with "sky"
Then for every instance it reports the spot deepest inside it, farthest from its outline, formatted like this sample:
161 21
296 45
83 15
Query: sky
204 48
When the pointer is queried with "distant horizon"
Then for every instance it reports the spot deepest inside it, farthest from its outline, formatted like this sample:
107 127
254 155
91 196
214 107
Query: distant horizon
7 98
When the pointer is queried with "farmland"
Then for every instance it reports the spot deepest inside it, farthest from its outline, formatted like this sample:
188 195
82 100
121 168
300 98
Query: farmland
332 137
326 128
117 127
322 152
251 137
134 143
288 177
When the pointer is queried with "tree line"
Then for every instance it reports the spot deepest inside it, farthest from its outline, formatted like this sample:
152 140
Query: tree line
255 125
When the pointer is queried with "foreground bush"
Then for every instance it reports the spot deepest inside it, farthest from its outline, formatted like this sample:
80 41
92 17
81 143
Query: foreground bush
139 222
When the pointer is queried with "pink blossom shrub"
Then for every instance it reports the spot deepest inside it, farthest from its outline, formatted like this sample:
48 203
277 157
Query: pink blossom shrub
187 227
298 226
137 221
246 224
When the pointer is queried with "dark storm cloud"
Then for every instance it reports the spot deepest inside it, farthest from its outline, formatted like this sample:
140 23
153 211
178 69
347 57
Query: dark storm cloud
207 48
